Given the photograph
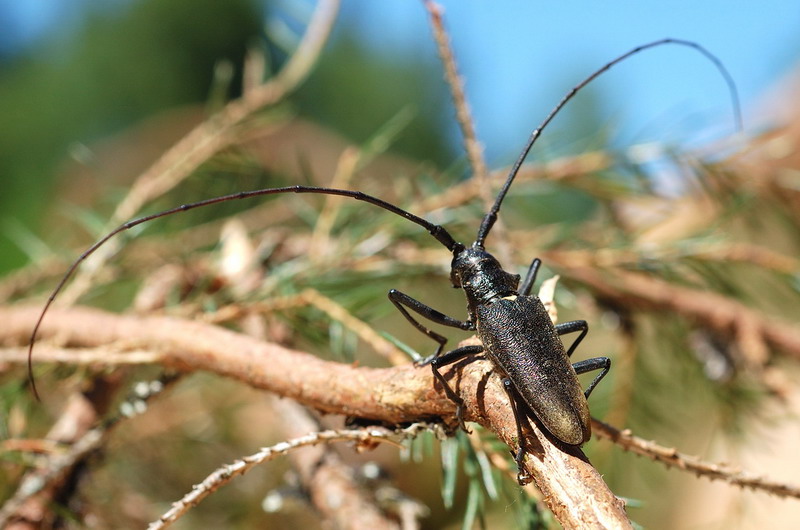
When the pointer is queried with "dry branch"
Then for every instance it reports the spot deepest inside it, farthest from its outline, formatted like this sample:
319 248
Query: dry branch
463 115
225 474
751 329
331 484
672 458
572 488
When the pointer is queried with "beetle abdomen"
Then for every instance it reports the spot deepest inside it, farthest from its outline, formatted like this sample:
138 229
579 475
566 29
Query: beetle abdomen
521 340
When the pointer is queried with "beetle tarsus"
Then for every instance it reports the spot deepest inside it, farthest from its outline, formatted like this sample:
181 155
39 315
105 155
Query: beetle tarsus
523 476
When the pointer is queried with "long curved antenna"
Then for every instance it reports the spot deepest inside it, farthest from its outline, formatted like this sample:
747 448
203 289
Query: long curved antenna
490 218
437 231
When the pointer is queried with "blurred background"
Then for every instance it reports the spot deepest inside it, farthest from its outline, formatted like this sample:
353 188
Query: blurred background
72 73
92 92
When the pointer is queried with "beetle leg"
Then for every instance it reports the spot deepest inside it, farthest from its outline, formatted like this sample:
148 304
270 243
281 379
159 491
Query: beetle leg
402 300
447 358
570 327
530 278
589 365
523 477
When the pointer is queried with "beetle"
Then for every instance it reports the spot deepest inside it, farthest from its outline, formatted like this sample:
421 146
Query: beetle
514 328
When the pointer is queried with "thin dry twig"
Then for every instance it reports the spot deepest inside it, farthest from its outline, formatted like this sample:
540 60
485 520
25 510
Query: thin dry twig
101 355
555 170
211 136
472 146
345 169
463 115
723 253
57 467
753 331
23 280
672 458
331 484
325 304
225 474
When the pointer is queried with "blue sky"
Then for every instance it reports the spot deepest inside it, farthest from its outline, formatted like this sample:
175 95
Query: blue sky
525 54
519 57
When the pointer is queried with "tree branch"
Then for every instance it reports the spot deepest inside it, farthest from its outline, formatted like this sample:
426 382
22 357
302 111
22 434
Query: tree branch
572 488
670 457
751 329
226 473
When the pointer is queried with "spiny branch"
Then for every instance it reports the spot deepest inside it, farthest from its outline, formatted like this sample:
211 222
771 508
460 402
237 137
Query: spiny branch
463 115
226 473
672 458
752 330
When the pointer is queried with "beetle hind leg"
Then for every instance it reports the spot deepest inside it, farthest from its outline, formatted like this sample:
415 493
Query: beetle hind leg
523 477
590 365
571 327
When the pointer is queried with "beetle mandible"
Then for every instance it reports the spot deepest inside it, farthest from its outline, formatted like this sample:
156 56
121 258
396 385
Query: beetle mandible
513 326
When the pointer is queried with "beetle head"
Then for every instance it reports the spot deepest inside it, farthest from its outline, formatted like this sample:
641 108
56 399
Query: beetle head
481 275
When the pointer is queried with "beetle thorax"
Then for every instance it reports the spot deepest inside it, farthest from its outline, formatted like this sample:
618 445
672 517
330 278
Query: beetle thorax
481 276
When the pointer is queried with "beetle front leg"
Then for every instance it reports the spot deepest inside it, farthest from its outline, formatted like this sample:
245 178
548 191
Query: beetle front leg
402 300
590 365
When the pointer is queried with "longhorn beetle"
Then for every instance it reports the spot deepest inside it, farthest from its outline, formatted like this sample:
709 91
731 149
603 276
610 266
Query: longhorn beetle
513 326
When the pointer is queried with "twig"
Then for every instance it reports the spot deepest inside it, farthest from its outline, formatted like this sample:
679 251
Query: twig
57 467
330 482
224 474
672 458
752 330
472 146
22 280
330 307
724 253
345 169
55 478
555 170
571 487
101 355
211 136
463 115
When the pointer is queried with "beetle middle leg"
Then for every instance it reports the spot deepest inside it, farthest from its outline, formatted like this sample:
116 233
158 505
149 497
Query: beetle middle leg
571 327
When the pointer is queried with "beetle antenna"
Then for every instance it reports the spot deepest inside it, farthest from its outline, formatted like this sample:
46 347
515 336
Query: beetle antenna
490 218
437 231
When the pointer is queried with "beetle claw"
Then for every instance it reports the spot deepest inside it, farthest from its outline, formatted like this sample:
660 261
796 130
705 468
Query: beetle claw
425 361
523 477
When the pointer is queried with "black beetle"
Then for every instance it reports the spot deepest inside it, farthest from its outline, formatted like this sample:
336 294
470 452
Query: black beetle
513 326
